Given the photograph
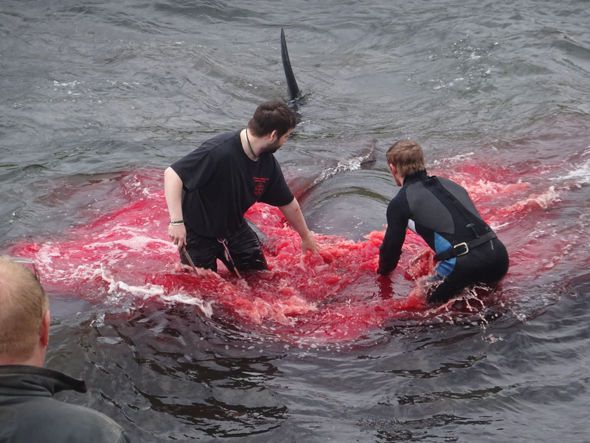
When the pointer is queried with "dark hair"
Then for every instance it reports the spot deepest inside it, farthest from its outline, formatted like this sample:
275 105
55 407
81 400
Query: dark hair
272 116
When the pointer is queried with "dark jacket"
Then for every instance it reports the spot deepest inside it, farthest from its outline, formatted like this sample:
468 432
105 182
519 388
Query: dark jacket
28 413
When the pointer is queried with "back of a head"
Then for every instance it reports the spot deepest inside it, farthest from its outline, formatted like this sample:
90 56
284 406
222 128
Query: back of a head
23 304
272 116
406 156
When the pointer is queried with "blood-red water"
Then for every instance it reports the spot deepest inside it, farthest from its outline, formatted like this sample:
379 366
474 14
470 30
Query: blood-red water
334 296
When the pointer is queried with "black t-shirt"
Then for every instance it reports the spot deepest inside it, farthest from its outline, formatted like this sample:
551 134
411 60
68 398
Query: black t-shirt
220 183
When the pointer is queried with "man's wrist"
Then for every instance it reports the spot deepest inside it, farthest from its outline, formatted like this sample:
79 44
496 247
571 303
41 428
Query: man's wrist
308 236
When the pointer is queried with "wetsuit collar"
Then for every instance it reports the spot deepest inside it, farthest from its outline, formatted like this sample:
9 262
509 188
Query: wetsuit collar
416 176
35 381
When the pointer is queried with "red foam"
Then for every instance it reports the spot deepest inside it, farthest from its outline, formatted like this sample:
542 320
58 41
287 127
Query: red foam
330 297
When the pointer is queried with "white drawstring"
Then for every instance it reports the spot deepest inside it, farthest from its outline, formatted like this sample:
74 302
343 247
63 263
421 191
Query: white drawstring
228 257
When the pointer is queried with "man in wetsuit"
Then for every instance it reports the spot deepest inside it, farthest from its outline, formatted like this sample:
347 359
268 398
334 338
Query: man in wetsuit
28 411
466 249
209 190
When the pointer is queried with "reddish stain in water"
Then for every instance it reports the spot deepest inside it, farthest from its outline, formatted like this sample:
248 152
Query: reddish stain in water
333 296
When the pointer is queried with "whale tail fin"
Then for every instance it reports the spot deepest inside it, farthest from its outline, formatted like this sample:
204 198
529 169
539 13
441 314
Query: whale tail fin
294 92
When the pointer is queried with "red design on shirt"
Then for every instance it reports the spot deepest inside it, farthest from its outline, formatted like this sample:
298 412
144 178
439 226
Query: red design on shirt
259 185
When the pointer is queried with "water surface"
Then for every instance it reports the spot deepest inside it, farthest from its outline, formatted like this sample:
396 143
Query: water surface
97 98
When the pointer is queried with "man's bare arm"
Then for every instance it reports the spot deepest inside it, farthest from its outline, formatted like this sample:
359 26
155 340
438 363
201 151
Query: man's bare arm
294 216
173 193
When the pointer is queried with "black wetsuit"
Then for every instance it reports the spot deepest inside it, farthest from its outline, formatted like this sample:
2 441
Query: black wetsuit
220 183
442 213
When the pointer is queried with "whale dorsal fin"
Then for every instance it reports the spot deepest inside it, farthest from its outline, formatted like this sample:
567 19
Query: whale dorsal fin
294 92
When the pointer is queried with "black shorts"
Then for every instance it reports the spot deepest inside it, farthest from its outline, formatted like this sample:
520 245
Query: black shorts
244 248
487 264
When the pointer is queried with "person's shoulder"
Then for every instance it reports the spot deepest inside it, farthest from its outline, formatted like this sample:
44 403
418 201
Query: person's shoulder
220 146
72 422
49 419
399 196
223 139
269 160
91 417
451 185
398 204
444 180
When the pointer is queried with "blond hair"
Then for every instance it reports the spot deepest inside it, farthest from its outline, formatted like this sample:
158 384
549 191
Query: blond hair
23 304
406 156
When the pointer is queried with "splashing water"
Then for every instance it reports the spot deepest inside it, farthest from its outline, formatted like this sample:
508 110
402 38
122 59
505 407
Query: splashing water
124 257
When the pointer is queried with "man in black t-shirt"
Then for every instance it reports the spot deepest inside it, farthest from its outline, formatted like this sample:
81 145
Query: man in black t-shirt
442 213
209 190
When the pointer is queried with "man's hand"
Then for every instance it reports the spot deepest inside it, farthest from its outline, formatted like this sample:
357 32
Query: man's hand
177 234
294 216
308 244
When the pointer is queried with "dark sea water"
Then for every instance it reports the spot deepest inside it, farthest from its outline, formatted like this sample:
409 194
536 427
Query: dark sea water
97 98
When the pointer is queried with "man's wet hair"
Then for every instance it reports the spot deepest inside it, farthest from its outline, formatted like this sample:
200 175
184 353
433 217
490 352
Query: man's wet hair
272 116
406 156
